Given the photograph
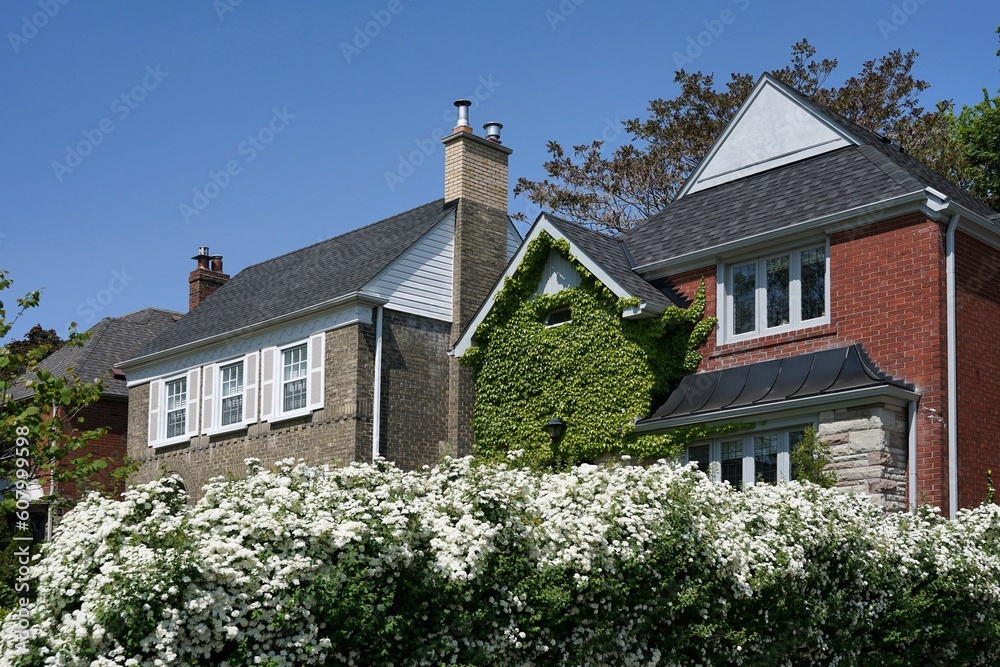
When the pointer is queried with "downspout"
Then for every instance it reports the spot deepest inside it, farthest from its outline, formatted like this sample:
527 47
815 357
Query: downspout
912 455
377 387
952 367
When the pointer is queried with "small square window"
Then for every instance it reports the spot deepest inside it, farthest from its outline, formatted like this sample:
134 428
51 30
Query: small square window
558 316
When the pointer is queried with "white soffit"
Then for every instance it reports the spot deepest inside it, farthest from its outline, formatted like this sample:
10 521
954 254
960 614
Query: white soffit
773 128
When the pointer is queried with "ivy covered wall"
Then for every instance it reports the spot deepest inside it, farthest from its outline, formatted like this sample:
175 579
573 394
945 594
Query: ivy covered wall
597 372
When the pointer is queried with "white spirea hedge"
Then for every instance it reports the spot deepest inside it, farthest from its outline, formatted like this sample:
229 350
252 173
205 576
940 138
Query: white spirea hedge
484 565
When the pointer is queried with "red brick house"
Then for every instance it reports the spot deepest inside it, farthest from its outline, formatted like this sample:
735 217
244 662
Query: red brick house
856 291
333 353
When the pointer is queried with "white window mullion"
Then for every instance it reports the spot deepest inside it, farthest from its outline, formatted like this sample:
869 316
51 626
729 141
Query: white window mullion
795 289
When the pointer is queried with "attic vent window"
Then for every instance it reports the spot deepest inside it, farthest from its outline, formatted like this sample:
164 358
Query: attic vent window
558 316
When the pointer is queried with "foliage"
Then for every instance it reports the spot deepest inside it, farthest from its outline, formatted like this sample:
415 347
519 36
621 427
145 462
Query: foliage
810 459
493 565
617 191
41 435
978 132
597 372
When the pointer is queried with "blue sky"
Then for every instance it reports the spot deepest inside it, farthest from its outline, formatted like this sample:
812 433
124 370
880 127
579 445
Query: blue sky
116 115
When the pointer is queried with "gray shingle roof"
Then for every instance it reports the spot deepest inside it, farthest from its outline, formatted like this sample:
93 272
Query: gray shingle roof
302 278
611 254
111 340
817 186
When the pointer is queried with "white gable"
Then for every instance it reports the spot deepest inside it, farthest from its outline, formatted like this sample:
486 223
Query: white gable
420 282
774 127
557 275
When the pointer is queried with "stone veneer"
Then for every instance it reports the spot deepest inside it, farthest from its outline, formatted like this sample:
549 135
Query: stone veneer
869 447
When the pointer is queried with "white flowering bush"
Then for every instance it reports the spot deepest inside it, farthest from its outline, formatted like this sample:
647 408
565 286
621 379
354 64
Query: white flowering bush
489 565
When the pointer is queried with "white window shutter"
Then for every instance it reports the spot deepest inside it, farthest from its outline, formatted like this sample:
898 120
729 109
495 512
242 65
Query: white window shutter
191 423
154 411
316 364
267 368
208 398
250 388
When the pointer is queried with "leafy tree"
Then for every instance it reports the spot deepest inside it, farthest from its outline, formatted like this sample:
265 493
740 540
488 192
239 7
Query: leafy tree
47 426
40 436
615 192
978 132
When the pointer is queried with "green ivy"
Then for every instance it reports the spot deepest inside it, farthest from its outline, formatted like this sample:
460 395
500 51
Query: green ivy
597 372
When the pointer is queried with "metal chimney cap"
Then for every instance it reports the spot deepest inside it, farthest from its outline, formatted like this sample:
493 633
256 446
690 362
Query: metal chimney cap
463 112
203 251
493 131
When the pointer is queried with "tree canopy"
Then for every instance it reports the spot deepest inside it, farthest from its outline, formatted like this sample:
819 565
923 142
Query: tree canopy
978 132
613 192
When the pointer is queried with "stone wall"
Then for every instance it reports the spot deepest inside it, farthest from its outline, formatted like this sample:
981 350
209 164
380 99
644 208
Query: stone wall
869 448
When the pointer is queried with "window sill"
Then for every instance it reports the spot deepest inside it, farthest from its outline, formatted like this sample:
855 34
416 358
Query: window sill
774 340
170 443
295 414
229 428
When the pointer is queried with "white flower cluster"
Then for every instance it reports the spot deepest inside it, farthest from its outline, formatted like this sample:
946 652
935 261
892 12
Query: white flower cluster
473 564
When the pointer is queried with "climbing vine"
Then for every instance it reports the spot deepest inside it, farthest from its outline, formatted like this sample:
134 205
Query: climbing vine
598 372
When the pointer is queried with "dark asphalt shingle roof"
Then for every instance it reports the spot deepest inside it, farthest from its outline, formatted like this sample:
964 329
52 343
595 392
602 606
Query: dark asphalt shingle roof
611 254
823 373
822 185
817 186
302 278
111 340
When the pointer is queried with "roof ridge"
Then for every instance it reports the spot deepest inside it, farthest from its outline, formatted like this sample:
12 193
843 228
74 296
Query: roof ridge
343 235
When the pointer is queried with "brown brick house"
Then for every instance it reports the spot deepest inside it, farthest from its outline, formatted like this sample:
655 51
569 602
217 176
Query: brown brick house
336 352
856 291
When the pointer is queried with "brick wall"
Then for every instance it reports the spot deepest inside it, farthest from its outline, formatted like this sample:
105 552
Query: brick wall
339 433
887 286
112 413
415 376
977 273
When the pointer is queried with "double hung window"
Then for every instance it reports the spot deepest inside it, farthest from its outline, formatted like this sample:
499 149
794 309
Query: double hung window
776 293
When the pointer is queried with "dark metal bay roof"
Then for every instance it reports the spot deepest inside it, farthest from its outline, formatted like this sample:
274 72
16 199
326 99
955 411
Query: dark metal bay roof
611 254
825 373
302 278
111 340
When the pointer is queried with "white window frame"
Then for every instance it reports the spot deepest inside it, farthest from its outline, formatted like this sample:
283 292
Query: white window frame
747 437
157 433
795 321
272 384
212 398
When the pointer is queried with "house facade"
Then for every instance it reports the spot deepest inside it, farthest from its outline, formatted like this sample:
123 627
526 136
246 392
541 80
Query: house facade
855 290
336 352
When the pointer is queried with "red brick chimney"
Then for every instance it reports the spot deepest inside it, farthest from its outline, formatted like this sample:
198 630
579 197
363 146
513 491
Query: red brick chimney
206 278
